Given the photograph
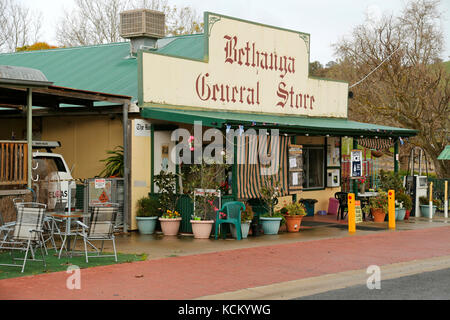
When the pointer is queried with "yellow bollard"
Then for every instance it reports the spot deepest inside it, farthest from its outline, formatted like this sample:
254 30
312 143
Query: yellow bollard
351 213
391 207
446 200
431 201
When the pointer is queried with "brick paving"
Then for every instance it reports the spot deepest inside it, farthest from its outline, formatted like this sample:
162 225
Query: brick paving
199 275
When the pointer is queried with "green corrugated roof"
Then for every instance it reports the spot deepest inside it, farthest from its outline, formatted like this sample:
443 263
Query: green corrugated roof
102 68
188 46
445 154
298 124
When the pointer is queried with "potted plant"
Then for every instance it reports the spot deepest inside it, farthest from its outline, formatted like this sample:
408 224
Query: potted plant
425 206
362 184
113 164
294 214
246 219
170 223
379 206
403 204
170 220
270 191
203 187
148 210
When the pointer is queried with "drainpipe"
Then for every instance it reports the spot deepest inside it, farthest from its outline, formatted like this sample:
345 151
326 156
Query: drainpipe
126 168
29 134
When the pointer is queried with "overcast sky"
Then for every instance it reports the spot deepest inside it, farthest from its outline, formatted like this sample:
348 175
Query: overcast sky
327 21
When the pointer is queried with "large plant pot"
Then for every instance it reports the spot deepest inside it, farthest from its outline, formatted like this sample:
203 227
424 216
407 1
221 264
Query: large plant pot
245 227
293 223
400 214
362 188
170 227
202 229
270 225
146 225
425 210
378 215
408 212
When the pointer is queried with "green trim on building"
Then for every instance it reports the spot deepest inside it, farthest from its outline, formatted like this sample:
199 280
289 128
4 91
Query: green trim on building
285 123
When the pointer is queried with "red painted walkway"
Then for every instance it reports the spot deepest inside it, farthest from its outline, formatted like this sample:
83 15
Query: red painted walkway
199 275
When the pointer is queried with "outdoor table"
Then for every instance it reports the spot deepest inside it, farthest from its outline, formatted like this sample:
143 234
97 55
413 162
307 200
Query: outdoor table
67 217
365 197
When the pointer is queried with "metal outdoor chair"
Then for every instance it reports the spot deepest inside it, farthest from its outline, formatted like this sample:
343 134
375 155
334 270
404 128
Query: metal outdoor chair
27 233
6 228
99 227
342 198
232 210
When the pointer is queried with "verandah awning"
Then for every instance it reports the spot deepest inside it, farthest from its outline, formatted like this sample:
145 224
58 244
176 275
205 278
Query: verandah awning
286 123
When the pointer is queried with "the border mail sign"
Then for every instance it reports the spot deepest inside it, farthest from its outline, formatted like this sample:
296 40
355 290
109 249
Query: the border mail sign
247 67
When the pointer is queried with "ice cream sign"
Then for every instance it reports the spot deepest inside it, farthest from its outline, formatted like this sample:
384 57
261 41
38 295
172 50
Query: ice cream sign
246 67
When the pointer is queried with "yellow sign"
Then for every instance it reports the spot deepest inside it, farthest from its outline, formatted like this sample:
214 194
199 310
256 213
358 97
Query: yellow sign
358 212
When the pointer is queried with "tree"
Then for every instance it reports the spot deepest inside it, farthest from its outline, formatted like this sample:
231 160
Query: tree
98 21
404 83
19 26
36 46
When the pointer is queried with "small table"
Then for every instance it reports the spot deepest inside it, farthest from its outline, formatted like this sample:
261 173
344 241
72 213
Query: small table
67 216
365 197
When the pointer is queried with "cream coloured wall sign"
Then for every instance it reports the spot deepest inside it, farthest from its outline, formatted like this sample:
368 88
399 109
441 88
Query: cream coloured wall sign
247 67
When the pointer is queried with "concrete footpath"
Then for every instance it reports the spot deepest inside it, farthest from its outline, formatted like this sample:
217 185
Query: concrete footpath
209 274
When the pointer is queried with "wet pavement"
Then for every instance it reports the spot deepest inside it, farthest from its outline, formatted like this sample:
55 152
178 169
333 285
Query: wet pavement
235 266
313 228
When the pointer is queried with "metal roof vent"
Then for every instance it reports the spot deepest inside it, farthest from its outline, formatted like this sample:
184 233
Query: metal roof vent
23 77
142 23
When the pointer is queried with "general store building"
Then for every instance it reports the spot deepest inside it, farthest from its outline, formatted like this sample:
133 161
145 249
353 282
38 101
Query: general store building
237 75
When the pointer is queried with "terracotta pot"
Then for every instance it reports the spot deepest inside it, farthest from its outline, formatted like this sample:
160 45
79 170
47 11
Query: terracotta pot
170 227
202 229
408 212
293 223
378 215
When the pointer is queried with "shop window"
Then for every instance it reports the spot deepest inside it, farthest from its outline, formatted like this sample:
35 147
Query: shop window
313 167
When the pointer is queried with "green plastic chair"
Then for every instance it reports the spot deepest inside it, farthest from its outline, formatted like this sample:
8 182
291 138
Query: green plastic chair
233 216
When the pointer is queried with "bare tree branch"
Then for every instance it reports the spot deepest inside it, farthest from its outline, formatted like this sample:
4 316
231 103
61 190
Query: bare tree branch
411 89
98 21
20 26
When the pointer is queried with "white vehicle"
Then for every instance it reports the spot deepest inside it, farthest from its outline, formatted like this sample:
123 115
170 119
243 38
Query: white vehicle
52 168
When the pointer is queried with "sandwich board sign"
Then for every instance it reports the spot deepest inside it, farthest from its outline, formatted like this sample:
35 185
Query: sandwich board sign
358 212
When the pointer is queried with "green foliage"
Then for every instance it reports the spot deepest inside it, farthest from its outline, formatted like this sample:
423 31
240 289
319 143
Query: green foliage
270 191
426 201
113 164
166 183
148 207
404 199
247 214
295 209
380 201
391 181
207 176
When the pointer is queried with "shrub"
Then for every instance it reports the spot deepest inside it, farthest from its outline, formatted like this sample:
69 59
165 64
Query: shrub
405 199
148 207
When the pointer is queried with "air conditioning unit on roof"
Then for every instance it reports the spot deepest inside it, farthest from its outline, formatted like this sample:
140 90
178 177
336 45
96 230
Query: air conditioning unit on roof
142 23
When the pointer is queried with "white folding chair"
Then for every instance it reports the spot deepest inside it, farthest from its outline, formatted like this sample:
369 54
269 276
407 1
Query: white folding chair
27 233
100 227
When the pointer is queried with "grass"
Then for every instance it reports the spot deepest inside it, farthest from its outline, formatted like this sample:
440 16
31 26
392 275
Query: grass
54 264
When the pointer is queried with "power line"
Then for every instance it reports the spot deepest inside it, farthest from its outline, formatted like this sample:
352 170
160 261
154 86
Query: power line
374 69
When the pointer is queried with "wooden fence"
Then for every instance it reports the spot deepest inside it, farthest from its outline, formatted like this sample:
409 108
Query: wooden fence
13 163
